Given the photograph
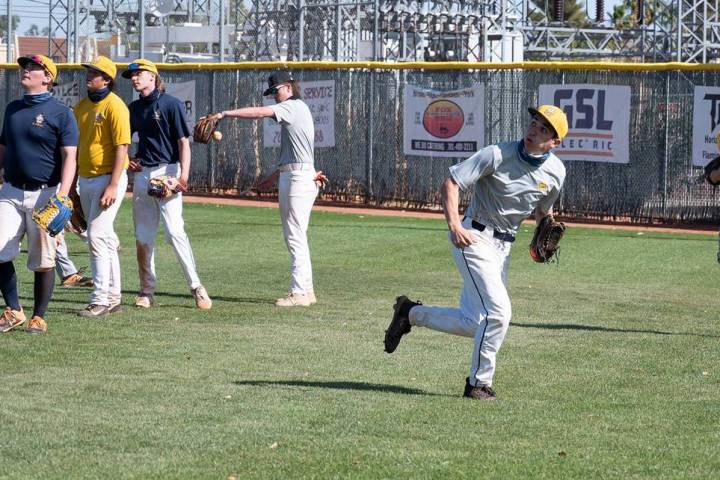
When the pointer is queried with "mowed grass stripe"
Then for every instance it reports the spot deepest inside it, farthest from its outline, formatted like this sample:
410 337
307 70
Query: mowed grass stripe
609 369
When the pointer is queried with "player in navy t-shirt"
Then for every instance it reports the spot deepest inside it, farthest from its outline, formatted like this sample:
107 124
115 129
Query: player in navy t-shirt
38 147
163 149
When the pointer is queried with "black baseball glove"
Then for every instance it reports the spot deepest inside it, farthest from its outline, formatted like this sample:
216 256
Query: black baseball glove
546 239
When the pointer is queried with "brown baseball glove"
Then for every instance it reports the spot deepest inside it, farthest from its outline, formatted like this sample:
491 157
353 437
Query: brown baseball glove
77 223
205 127
546 239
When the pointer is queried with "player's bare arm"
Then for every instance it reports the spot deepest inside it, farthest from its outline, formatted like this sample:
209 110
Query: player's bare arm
69 167
451 203
249 113
540 213
110 193
184 144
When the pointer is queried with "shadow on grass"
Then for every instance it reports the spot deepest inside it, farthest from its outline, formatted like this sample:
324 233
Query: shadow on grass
360 386
129 296
594 328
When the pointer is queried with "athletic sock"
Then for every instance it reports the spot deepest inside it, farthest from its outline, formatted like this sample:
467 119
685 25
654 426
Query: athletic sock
8 285
44 285
406 307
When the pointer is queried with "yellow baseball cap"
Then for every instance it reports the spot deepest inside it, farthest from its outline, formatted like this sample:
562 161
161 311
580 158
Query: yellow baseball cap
554 116
45 62
103 65
140 64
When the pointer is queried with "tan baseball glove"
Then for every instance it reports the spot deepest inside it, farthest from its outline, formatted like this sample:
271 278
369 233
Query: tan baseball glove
164 186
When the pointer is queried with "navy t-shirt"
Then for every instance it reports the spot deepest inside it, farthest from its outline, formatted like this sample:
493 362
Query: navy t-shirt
33 136
160 121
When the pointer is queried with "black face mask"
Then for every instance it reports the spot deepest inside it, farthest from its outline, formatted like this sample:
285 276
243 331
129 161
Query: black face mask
98 95
151 97
535 160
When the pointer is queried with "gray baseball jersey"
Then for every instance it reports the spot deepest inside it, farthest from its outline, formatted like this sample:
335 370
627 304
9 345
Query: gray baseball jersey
297 143
507 189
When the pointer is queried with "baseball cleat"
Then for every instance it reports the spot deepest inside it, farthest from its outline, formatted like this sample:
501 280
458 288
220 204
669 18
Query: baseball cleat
202 299
11 319
296 300
115 308
36 325
400 323
94 310
77 280
144 301
480 392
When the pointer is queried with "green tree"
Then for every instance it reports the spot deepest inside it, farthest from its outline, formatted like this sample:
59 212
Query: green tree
4 24
33 31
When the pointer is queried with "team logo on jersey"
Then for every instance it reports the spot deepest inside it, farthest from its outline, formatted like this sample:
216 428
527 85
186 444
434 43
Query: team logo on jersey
98 118
542 186
39 120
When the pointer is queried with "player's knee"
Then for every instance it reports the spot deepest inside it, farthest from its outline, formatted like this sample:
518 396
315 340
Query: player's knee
144 236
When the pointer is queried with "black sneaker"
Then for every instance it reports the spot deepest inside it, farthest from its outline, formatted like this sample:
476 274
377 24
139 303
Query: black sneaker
117 308
93 310
481 392
400 324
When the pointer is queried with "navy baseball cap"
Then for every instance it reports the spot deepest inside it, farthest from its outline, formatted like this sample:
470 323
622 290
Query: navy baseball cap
278 78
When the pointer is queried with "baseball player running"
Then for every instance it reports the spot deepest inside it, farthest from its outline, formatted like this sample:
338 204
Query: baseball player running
38 147
104 123
163 149
510 180
298 180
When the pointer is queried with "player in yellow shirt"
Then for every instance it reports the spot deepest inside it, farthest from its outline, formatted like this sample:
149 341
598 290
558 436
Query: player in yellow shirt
104 123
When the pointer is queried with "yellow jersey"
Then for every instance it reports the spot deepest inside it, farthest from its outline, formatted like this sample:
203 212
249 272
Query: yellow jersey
103 126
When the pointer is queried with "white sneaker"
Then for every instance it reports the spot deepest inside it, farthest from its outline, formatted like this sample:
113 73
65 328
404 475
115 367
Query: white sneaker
144 301
202 299
296 300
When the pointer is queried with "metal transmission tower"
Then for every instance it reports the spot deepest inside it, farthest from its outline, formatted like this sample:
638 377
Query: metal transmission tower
404 30
698 37
550 38
61 32
399 30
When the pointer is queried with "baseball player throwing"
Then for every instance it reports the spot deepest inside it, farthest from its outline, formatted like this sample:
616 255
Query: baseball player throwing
510 180
38 146
163 150
104 123
298 180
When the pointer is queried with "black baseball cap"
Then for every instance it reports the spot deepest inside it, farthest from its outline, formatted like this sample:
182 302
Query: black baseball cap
277 78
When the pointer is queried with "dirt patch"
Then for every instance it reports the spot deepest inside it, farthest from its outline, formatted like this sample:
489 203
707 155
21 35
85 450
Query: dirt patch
386 212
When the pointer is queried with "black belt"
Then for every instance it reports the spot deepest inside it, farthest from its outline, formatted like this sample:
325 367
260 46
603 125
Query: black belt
505 237
31 187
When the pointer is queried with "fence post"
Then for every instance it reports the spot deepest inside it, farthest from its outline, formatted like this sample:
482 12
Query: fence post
369 157
212 151
667 136
371 140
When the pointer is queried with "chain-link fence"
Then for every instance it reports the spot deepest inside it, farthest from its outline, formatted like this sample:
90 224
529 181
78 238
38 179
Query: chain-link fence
367 163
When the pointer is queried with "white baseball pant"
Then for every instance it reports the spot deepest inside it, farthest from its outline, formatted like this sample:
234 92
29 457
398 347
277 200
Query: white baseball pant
102 239
16 209
484 311
147 213
297 191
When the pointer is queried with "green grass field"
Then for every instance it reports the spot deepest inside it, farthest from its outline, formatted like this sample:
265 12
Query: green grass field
610 368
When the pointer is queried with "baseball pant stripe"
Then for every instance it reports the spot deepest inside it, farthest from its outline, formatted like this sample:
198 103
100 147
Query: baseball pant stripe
482 339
